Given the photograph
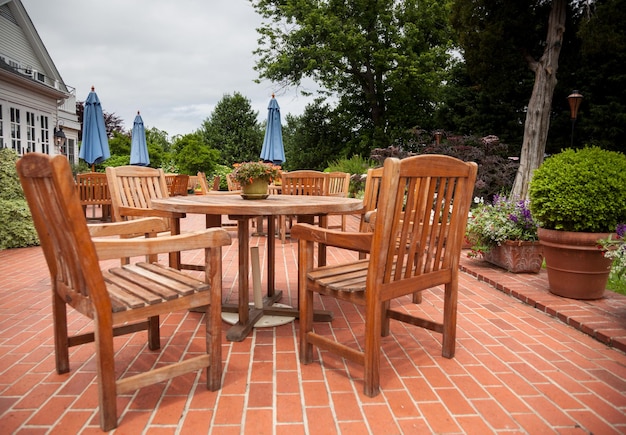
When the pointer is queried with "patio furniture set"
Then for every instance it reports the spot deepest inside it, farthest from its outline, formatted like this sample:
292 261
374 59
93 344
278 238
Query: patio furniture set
413 221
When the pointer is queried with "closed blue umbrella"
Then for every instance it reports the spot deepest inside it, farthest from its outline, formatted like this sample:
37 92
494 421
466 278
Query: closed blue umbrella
95 146
273 149
138 147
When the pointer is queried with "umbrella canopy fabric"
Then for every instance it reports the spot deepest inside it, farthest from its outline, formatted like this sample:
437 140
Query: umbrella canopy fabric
273 149
95 146
138 147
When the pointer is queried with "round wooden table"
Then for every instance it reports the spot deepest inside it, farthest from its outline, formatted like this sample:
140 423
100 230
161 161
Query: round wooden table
237 208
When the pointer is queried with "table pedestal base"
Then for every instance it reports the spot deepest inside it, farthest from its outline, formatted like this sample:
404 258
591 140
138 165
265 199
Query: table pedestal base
239 331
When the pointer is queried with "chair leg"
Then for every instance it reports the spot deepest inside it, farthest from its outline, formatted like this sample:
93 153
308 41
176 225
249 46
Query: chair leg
417 297
305 301
371 372
449 318
154 334
107 391
61 347
213 320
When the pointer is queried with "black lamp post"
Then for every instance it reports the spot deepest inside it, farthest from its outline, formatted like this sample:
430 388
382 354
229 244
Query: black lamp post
574 99
59 138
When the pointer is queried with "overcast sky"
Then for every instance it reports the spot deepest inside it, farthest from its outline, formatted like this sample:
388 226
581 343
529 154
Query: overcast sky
171 60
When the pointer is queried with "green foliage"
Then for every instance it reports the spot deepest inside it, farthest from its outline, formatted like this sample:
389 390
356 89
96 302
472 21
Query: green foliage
580 190
221 171
17 229
314 138
356 166
378 57
233 129
194 156
10 187
496 171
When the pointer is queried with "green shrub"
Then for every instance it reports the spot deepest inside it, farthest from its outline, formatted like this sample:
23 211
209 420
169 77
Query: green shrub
17 229
580 190
356 166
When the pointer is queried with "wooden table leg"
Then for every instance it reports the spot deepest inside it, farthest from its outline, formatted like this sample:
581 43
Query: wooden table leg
248 316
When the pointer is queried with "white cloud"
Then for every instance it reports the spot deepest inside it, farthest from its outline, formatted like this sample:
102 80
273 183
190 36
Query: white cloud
173 61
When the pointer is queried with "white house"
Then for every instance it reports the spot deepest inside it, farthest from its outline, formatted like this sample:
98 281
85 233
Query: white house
37 108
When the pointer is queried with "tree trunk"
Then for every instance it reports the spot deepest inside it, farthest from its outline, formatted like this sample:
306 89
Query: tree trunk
538 114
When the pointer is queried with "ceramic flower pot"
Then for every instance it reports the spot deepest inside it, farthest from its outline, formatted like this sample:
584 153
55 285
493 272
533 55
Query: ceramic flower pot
516 256
255 190
577 269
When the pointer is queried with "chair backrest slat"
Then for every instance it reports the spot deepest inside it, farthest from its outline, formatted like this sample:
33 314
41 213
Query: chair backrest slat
135 186
420 217
304 182
62 228
338 184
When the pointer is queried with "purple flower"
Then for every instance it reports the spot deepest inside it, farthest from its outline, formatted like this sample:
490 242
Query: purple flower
621 230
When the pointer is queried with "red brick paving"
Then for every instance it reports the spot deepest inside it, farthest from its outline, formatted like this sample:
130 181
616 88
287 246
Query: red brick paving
526 362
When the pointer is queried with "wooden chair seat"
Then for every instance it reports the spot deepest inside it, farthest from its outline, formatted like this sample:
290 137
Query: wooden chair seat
123 299
415 242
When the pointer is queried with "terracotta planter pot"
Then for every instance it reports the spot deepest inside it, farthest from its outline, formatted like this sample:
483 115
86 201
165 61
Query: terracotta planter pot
516 256
576 267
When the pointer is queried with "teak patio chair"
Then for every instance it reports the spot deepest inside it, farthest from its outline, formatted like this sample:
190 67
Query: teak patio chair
132 190
338 184
94 190
416 241
124 299
302 182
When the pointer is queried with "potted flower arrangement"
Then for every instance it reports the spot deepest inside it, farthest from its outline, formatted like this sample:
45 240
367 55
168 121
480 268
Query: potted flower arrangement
578 197
505 234
254 178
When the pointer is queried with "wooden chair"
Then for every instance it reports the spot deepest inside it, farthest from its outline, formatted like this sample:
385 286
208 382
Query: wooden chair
123 299
204 184
93 190
418 230
177 184
338 184
132 189
303 182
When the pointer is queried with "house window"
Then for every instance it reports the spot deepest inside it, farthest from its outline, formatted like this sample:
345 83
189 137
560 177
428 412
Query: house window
44 134
16 131
70 146
30 132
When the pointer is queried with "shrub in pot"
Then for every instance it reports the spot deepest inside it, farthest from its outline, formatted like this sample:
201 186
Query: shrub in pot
578 197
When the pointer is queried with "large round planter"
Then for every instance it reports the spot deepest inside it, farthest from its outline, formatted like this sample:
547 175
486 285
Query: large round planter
255 190
516 256
577 269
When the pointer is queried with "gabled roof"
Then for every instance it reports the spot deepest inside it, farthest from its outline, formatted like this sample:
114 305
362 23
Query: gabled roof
14 11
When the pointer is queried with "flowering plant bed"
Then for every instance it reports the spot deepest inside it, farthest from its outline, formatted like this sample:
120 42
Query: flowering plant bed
505 234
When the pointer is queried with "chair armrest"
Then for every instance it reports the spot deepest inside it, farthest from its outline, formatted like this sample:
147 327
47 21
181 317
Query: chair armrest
149 212
108 249
126 228
341 239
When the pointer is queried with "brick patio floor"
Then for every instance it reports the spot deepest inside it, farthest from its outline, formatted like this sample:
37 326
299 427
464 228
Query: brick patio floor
526 362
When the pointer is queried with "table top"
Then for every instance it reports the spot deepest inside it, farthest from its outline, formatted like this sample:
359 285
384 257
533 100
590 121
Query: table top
271 206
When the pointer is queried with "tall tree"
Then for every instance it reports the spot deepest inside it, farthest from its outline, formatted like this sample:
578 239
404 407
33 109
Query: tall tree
538 114
382 58
233 129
